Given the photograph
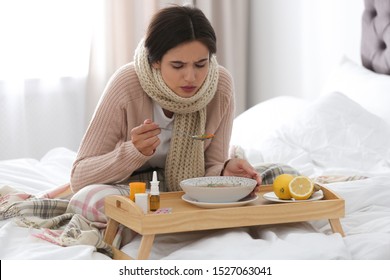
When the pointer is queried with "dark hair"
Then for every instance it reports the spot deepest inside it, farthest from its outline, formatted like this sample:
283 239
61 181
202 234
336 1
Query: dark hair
176 25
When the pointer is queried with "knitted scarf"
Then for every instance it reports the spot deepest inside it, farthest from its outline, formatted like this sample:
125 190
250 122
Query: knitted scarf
185 158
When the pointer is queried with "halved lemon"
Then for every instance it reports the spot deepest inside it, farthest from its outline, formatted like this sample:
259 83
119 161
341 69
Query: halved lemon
280 186
301 187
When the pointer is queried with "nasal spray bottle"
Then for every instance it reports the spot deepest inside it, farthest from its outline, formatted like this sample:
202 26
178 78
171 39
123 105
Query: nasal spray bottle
154 193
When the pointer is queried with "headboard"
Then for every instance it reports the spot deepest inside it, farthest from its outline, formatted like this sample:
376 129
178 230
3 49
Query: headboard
375 46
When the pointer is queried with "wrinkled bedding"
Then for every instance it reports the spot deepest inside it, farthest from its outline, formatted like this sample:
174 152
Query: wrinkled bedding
37 178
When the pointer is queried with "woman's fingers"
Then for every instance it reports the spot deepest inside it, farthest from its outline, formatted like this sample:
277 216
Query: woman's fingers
145 137
242 168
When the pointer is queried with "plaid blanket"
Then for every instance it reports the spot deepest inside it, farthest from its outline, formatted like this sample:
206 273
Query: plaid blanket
58 225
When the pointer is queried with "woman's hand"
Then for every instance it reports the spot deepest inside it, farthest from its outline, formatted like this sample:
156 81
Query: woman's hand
145 137
242 168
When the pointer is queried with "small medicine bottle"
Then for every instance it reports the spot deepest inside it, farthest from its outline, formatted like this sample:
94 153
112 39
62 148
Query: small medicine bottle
136 187
154 200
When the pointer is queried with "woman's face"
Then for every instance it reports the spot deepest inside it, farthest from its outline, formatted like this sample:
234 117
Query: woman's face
184 68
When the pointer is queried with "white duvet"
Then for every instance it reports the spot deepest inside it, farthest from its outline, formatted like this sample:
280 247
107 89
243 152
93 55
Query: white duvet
331 136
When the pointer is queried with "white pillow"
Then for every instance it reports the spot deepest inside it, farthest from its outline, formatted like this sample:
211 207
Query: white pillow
333 132
255 125
369 89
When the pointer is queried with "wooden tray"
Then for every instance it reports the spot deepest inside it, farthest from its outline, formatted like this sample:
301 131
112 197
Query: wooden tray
187 217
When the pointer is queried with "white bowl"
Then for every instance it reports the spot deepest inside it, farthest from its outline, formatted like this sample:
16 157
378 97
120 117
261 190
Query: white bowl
218 189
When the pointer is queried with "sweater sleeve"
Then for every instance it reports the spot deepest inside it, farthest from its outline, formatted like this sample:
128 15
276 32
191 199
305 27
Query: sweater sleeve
105 155
220 121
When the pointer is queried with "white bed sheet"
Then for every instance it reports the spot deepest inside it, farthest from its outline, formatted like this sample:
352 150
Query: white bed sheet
366 224
36 177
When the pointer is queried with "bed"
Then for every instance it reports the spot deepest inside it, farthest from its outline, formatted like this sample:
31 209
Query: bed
341 139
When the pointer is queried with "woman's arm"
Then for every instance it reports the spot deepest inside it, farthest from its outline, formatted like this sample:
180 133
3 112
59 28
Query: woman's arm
220 116
106 154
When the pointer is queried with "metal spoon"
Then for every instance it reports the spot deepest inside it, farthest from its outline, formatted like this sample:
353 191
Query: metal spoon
201 137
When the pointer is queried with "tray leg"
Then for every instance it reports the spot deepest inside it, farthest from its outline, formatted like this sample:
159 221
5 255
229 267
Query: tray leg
112 228
336 226
145 247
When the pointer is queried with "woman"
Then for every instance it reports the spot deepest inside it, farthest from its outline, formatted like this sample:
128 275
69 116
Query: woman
151 107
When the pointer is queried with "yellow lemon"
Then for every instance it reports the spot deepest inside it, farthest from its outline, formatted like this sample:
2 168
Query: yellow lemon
280 186
301 187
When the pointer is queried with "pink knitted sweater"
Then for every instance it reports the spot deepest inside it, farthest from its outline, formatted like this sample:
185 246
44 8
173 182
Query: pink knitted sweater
107 155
